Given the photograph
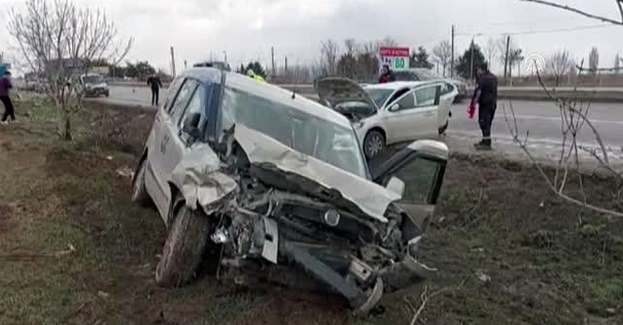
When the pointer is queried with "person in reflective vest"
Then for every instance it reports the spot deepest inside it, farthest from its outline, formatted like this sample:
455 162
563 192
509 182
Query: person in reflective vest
255 76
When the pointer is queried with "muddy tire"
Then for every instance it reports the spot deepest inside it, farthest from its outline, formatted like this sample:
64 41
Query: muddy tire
373 144
139 191
184 248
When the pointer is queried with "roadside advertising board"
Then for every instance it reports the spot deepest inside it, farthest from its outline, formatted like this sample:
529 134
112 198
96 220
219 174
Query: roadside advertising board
396 57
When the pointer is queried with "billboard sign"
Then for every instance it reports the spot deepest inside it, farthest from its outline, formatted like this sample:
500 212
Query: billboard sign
396 57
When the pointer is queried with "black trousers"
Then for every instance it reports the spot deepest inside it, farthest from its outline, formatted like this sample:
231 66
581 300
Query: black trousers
8 108
154 96
486 112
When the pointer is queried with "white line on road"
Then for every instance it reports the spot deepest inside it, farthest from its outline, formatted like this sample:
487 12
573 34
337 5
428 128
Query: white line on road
557 118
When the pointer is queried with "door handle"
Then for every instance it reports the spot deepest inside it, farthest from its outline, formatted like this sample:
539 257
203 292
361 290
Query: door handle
163 144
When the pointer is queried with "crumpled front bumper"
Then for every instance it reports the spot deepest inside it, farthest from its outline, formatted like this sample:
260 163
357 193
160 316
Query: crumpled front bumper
352 278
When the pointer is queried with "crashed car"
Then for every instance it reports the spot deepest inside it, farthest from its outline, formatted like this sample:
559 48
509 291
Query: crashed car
94 85
389 113
253 180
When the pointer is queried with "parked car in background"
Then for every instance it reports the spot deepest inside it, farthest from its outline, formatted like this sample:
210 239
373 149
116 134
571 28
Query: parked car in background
213 64
422 74
265 182
94 85
388 113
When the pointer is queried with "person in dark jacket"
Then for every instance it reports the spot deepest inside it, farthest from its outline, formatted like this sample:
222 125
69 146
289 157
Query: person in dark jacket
387 75
5 86
155 84
486 95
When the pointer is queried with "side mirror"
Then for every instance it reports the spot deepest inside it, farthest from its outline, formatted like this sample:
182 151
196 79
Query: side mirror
394 107
396 185
191 125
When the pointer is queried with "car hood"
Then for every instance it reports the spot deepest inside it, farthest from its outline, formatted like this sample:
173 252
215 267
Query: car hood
369 197
336 90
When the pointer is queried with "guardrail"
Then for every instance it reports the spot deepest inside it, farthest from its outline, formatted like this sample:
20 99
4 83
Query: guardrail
608 95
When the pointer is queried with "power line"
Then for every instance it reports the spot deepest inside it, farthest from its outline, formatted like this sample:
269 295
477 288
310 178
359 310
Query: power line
542 31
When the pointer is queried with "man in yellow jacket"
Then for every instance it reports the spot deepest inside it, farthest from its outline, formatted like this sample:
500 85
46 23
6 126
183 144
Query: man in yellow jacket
255 76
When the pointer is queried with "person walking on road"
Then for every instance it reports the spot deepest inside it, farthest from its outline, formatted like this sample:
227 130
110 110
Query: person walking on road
387 75
155 84
5 86
486 96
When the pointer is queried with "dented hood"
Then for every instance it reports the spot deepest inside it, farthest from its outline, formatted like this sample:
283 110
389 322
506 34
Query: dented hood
369 197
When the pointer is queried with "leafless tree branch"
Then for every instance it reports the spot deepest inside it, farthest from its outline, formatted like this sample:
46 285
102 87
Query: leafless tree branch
581 12
573 116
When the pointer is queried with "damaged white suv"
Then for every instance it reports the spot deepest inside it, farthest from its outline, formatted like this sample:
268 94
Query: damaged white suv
263 184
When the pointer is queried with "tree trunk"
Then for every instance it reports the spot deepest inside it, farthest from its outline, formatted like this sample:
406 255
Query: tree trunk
64 123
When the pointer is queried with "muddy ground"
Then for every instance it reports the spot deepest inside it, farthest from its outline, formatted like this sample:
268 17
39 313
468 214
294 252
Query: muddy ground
73 250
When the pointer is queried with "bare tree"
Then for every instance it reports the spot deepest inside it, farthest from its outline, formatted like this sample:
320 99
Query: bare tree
617 64
329 51
60 40
491 49
593 60
559 64
442 53
573 117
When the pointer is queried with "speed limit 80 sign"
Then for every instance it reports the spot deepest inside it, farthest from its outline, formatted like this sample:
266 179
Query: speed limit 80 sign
396 57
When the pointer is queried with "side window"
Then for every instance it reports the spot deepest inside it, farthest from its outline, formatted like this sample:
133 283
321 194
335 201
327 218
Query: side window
397 95
446 88
182 98
194 106
174 87
425 96
407 101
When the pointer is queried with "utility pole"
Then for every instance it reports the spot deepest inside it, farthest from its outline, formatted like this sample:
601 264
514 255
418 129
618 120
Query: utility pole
452 56
286 67
172 62
471 60
272 55
225 56
508 43
185 65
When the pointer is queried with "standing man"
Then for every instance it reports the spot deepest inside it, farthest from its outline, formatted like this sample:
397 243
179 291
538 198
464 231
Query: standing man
154 82
5 86
486 95
387 75
255 76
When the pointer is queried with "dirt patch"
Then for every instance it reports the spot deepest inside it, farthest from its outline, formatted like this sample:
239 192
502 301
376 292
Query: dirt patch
507 250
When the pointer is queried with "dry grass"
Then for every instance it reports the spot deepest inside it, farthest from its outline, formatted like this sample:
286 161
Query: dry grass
548 263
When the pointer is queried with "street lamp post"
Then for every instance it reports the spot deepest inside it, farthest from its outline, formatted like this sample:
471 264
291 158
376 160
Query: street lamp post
225 55
471 65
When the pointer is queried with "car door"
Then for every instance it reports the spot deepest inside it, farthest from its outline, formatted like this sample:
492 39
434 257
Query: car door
169 147
446 97
153 179
414 115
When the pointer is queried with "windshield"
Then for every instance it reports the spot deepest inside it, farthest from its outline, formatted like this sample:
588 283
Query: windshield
94 79
303 132
379 95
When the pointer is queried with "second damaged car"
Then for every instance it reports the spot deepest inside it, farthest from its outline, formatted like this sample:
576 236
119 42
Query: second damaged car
261 184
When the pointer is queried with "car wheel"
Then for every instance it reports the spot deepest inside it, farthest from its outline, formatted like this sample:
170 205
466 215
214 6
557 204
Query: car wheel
139 191
373 144
184 248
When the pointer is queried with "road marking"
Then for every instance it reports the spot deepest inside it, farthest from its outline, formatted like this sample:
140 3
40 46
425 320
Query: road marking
557 118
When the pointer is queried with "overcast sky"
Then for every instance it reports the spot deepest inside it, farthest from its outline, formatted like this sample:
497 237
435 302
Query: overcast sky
197 28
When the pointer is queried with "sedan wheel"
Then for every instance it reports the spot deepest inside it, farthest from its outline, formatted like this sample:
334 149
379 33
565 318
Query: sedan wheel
373 144
184 248
139 191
